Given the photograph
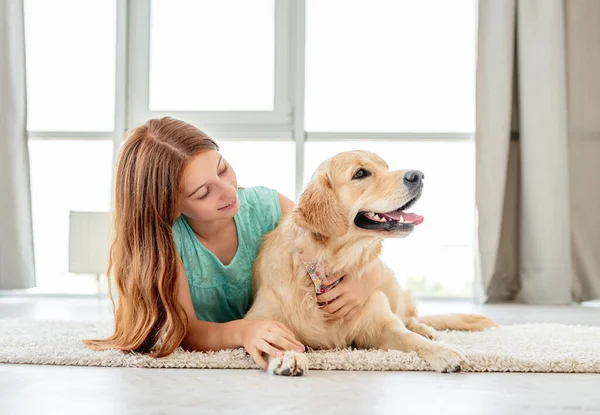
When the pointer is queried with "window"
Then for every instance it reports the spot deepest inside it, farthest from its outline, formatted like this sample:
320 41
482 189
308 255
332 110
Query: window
262 163
390 65
280 84
208 55
66 175
70 52
222 65
71 56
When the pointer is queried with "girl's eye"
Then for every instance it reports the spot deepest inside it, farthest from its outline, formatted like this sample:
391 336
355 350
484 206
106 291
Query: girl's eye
205 195
222 172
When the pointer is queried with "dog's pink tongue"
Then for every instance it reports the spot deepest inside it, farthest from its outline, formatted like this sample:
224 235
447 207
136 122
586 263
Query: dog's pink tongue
408 217
413 218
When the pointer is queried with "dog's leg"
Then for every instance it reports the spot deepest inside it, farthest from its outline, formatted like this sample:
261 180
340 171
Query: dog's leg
442 358
411 320
406 310
387 331
424 330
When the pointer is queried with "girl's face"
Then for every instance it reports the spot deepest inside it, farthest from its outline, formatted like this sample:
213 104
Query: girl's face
208 189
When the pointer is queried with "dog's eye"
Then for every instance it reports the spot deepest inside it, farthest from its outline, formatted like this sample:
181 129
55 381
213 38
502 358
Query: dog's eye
361 174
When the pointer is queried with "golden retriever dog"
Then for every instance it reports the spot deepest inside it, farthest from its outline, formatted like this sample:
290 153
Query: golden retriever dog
351 204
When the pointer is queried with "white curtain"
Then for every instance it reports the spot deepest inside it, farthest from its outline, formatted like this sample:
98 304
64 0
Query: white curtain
17 269
538 150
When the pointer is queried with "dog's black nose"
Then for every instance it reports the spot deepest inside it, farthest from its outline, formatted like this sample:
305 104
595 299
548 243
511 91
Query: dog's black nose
413 177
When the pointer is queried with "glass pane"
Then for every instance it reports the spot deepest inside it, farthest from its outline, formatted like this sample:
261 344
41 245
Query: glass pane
66 176
212 55
70 48
437 258
390 65
255 165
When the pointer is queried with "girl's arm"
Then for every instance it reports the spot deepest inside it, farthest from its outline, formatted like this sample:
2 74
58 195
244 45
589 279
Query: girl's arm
285 204
257 337
205 335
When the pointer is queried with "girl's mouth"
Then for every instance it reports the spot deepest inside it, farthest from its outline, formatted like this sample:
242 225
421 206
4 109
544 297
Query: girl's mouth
229 205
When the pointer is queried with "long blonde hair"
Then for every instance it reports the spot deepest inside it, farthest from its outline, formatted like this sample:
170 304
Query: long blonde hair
143 259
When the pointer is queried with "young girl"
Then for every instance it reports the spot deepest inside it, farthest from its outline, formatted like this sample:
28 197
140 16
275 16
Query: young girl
185 239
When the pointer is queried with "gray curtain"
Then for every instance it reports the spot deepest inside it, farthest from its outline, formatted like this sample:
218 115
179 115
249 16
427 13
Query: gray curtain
17 269
538 151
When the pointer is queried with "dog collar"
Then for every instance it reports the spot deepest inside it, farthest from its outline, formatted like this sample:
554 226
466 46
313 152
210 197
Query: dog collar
314 269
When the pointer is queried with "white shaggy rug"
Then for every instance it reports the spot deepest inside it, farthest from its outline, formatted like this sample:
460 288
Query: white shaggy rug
517 348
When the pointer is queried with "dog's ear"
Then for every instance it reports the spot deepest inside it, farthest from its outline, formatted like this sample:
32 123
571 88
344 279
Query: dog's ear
320 211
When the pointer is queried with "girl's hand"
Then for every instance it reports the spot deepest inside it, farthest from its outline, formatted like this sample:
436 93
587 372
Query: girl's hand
345 299
270 337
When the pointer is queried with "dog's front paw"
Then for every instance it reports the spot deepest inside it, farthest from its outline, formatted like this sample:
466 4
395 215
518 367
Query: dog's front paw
445 359
417 327
290 364
426 331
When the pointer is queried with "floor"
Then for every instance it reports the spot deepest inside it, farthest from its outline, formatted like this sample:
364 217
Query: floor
28 389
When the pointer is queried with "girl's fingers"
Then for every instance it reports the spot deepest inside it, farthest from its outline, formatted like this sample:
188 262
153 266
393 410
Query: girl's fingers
332 308
331 279
266 347
330 295
281 342
288 339
343 312
284 328
258 357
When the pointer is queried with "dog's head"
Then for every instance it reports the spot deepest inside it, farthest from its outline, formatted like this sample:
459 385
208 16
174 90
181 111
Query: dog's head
357 192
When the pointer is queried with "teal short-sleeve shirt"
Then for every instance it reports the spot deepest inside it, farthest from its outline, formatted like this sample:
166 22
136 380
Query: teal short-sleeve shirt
222 293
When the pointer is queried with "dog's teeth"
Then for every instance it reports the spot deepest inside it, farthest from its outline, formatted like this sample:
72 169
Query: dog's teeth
376 217
401 220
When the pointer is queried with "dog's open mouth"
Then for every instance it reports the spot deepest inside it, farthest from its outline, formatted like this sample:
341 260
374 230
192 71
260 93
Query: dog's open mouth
397 219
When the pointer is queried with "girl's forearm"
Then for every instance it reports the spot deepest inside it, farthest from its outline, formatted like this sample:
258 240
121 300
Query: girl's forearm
203 336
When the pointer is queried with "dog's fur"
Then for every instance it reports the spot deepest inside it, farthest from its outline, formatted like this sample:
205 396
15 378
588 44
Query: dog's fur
323 227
